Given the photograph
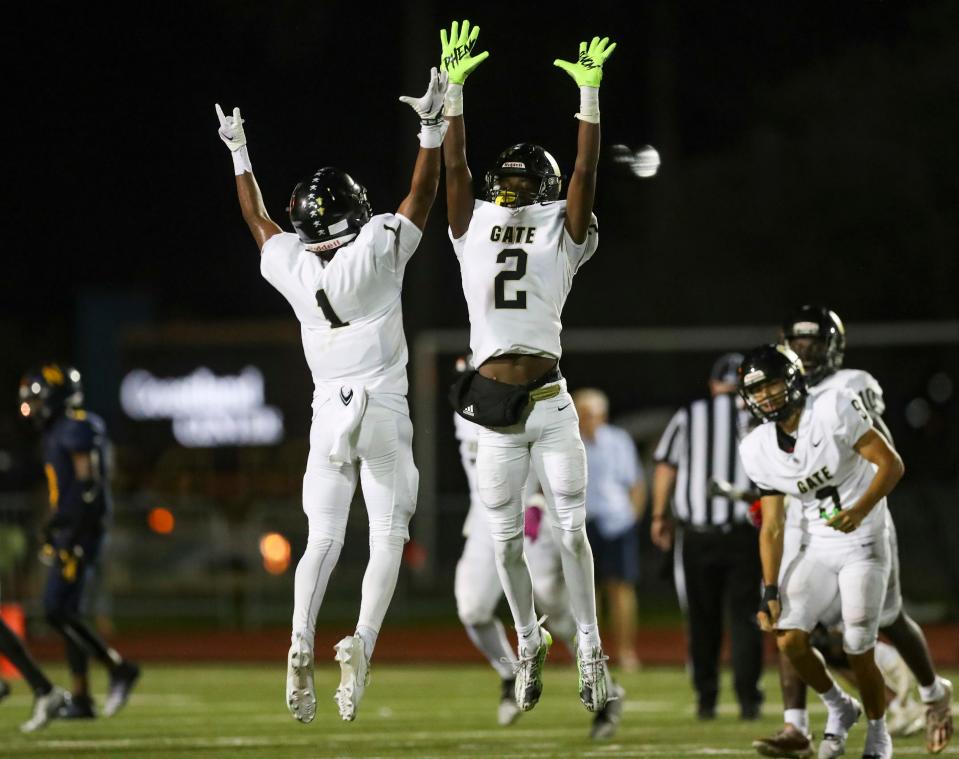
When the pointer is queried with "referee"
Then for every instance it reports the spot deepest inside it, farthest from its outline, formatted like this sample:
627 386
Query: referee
716 554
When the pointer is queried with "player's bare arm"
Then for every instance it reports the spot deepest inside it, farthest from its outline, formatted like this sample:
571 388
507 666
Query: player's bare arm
458 62
771 554
889 470
661 528
426 172
231 131
587 72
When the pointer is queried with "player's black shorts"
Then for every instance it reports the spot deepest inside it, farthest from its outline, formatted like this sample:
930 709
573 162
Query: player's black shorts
615 558
68 588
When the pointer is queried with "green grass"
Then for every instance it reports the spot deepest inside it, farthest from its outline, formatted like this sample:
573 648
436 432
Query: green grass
239 711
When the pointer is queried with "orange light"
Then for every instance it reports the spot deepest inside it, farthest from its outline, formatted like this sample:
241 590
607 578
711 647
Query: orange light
25 409
275 550
161 520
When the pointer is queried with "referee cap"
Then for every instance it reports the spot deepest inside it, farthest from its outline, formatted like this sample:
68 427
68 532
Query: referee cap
725 368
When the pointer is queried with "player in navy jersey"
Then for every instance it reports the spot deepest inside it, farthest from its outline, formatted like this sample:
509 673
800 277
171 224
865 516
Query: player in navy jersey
75 460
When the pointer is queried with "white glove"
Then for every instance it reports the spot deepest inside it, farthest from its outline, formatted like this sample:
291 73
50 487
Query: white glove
430 110
232 134
231 129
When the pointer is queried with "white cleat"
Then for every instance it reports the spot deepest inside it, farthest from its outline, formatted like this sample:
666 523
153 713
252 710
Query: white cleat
838 722
508 712
300 693
354 675
593 678
939 724
905 717
45 708
878 743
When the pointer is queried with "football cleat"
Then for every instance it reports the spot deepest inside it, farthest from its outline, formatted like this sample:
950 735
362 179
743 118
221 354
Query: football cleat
45 708
122 680
354 675
606 721
592 678
77 707
508 712
789 742
529 671
939 725
300 694
878 743
905 717
838 722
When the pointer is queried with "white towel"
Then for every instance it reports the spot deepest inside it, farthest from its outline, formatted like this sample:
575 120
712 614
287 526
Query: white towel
346 408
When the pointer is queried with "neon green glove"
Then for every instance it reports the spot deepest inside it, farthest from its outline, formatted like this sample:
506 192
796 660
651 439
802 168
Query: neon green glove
588 69
458 60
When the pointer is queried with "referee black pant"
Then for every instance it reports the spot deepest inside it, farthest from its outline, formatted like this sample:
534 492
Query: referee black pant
714 570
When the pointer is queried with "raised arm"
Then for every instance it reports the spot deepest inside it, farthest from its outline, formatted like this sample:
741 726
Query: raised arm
262 227
426 173
889 470
458 61
587 72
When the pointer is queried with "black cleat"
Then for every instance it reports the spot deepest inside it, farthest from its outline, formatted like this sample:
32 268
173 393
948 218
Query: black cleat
122 680
77 707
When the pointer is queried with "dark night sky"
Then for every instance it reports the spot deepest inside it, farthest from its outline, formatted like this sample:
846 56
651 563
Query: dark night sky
809 151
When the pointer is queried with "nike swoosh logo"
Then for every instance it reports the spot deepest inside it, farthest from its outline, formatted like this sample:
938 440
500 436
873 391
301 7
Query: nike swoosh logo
816 445
563 407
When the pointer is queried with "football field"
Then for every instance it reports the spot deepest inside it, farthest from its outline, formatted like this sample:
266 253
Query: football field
409 711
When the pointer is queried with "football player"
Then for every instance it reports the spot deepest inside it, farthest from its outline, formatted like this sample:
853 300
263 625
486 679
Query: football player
817 335
478 589
342 272
48 699
519 247
76 463
824 452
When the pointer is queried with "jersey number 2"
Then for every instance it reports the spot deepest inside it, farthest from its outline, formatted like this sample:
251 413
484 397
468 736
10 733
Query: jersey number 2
506 275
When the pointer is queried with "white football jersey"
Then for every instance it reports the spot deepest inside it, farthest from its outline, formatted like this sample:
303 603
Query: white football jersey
349 308
517 266
860 382
824 470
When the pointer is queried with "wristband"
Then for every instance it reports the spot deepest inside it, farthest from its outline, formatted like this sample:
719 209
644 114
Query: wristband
432 132
453 105
588 104
770 593
241 161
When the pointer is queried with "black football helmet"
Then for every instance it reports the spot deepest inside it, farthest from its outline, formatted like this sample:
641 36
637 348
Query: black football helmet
49 391
818 337
328 210
768 365
524 160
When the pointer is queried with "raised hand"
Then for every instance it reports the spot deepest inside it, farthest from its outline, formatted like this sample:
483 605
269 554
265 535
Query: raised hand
458 60
231 129
587 71
430 106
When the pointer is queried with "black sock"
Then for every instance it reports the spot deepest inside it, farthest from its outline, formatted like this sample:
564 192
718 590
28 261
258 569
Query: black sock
12 647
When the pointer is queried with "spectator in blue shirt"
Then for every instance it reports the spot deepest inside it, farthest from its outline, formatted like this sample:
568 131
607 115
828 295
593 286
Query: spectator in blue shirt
615 501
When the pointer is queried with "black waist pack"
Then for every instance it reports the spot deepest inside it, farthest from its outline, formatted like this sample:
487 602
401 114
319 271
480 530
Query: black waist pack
495 404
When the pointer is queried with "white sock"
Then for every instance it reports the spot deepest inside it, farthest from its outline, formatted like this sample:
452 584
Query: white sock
379 582
930 693
577 559
835 697
798 718
309 585
368 635
517 585
490 639
529 637
587 637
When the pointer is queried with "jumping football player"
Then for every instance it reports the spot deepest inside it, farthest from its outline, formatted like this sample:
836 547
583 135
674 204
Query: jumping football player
478 590
817 335
519 248
76 462
342 272
824 452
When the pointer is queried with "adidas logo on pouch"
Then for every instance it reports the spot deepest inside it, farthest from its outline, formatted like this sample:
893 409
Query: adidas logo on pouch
468 410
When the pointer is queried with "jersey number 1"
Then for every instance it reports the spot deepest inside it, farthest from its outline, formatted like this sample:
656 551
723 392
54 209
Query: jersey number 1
506 275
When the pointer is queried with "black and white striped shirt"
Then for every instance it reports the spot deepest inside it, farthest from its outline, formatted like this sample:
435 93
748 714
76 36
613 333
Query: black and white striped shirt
702 442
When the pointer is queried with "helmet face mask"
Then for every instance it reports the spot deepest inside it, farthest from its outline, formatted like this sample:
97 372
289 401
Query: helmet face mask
818 336
539 171
771 383
327 210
